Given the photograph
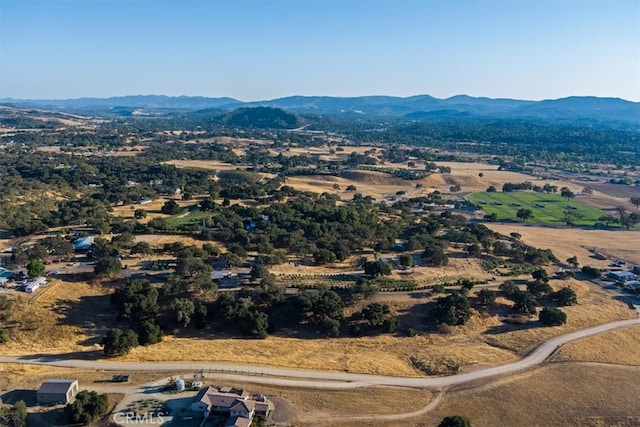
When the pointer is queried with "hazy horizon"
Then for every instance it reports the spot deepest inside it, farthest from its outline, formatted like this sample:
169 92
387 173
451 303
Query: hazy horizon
309 96
254 50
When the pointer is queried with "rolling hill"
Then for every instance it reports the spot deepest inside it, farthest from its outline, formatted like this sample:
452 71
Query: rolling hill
414 107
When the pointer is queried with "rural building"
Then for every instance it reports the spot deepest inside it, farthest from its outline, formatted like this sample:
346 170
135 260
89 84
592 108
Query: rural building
221 274
636 269
5 275
32 285
240 408
143 201
622 276
83 244
237 422
243 408
57 391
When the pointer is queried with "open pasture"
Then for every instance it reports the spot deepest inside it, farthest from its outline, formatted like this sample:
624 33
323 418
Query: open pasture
547 209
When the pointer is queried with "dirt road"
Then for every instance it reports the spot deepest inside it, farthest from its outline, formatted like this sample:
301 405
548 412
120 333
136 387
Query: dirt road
322 379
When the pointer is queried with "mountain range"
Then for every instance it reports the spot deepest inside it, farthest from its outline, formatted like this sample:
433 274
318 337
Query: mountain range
413 107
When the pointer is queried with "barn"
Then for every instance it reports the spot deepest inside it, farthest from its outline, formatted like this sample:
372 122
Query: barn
57 391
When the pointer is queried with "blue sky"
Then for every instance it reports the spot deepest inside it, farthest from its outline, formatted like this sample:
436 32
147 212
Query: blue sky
261 49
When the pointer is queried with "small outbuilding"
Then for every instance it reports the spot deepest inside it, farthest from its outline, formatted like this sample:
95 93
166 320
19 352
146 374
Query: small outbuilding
83 244
57 391
622 276
5 275
32 285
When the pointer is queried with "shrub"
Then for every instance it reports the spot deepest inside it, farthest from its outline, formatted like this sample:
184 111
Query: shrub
487 297
435 255
455 421
14 415
118 342
551 316
150 333
411 332
525 302
539 288
509 289
565 296
453 309
591 271
107 266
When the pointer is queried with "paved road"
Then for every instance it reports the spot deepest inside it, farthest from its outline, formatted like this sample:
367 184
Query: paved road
323 379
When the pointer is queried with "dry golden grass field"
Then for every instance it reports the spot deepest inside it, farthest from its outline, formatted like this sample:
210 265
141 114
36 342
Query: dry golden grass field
459 266
380 185
312 406
72 316
552 395
129 151
562 395
64 317
617 347
205 164
152 209
483 341
595 306
567 242
375 355
369 183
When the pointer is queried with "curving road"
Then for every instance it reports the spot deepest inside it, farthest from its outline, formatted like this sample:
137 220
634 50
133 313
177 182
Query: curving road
324 379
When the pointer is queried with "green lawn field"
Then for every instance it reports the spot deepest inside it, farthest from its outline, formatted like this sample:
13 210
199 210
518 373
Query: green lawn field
194 216
548 209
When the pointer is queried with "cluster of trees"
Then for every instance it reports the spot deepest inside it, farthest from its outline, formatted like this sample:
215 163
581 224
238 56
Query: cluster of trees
453 309
87 407
57 248
256 312
14 415
519 139
379 317
456 308
538 291
624 218
267 309
137 302
106 180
